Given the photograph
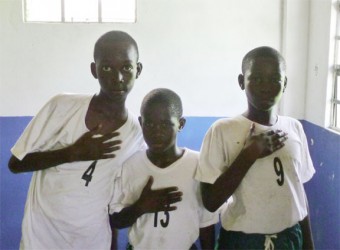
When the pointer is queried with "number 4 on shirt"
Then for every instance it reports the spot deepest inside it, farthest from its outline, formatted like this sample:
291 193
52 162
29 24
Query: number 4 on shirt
87 176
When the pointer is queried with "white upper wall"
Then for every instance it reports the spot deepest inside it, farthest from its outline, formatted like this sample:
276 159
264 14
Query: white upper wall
194 47
320 61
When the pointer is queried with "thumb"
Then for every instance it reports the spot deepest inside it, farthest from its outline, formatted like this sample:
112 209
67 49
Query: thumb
149 183
252 129
96 129
250 135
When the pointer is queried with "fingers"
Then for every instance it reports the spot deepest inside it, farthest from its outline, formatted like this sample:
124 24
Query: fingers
108 136
273 140
166 203
166 199
105 146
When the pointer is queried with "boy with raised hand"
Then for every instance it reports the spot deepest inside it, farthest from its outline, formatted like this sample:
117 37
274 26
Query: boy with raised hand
74 145
261 160
153 222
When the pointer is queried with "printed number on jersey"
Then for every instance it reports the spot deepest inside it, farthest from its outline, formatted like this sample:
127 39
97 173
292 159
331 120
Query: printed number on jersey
278 167
163 219
87 176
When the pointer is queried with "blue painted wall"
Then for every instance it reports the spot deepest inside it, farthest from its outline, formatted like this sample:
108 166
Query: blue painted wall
323 190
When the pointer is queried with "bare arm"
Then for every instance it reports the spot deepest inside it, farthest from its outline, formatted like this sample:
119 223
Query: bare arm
114 243
308 242
150 201
207 237
214 195
257 146
306 229
87 147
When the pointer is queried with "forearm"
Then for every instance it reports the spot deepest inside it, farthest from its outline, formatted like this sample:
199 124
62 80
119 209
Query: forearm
126 218
39 160
114 241
207 237
308 242
214 195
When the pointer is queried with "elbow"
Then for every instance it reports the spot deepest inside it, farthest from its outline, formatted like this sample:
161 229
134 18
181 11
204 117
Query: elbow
210 206
115 222
209 202
14 165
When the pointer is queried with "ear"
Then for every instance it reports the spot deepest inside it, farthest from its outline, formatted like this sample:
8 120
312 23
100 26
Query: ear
241 81
285 85
140 120
93 70
139 69
182 122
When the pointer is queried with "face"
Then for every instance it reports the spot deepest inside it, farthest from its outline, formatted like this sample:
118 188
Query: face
116 69
264 82
160 127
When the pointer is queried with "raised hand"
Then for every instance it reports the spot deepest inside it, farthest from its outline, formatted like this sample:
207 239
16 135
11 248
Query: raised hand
158 200
94 146
266 143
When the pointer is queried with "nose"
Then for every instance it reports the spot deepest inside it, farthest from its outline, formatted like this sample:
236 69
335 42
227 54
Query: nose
266 85
117 76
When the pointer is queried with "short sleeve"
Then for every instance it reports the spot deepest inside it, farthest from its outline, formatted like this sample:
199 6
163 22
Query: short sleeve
48 129
212 157
124 195
38 132
118 196
206 218
307 168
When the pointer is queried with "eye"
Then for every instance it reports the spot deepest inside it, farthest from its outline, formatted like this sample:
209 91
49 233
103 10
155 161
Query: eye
106 68
148 124
256 79
277 79
166 125
127 68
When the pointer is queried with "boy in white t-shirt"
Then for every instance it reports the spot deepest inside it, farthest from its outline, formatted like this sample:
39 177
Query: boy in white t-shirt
261 160
153 222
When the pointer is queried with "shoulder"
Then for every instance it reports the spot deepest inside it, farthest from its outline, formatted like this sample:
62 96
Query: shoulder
191 153
68 99
136 157
133 165
226 127
290 123
132 118
228 122
132 122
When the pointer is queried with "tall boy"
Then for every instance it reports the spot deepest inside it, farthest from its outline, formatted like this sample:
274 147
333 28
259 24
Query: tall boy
75 145
261 160
163 164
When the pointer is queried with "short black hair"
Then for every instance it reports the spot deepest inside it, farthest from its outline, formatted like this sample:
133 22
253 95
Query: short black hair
263 51
166 96
112 37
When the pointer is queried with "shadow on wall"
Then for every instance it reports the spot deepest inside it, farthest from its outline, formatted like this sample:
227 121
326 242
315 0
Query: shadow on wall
323 190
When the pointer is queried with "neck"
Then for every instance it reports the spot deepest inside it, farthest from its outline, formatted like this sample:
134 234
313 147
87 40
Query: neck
110 108
166 158
267 118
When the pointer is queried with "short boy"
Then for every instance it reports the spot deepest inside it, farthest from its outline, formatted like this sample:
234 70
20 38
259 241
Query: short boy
154 223
261 160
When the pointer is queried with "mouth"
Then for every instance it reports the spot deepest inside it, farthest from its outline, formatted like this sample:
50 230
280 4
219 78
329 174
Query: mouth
118 92
155 143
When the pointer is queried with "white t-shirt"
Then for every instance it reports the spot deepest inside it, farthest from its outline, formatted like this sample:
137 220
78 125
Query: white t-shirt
61 212
178 229
271 196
